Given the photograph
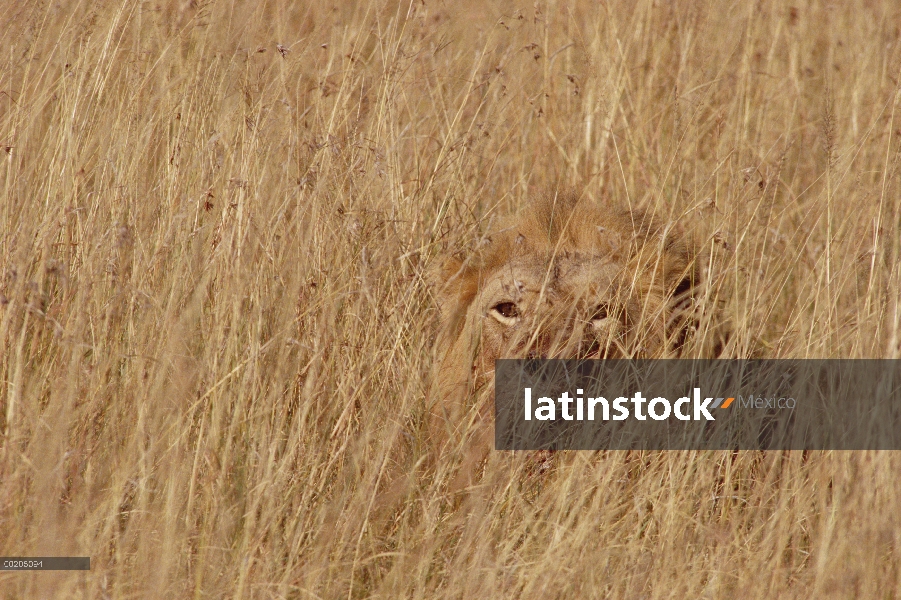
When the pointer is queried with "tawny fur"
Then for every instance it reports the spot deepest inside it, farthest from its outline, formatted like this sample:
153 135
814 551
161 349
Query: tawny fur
576 278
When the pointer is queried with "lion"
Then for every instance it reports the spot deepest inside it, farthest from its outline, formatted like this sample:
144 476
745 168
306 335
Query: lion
566 278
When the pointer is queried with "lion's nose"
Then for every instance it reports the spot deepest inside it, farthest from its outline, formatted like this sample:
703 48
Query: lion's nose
540 348
553 340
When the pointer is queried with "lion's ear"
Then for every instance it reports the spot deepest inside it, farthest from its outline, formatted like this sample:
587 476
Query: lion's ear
452 284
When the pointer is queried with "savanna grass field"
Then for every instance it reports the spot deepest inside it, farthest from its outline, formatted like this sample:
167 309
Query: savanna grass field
217 329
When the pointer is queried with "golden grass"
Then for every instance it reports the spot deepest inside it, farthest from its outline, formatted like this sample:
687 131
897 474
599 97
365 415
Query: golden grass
216 336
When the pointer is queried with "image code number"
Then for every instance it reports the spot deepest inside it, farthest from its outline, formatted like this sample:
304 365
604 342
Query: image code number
45 563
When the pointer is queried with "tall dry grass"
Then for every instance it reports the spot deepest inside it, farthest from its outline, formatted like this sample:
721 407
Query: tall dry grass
216 335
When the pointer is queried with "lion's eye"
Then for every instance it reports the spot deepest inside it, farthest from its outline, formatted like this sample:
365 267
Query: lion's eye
601 318
507 309
505 312
601 311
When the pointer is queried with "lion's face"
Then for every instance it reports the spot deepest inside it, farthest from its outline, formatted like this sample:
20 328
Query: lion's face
573 306
568 278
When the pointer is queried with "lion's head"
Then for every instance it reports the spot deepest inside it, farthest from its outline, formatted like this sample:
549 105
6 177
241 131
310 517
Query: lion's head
567 278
